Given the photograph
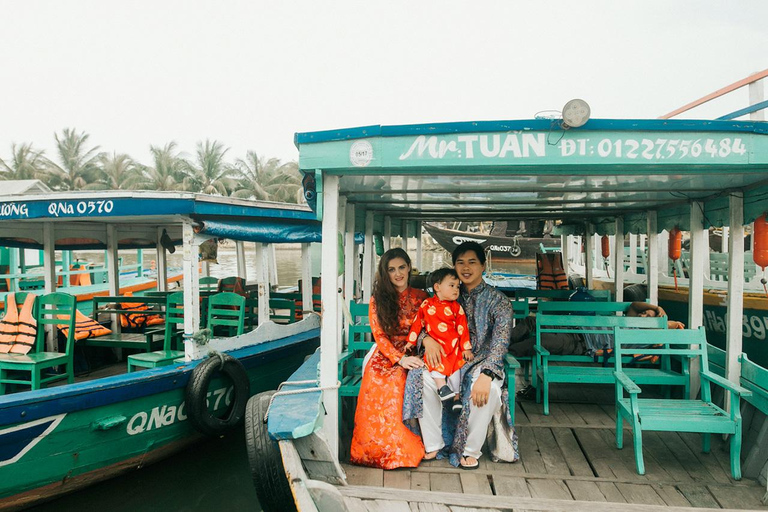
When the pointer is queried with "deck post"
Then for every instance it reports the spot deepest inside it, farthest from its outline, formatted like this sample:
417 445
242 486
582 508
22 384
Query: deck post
339 239
565 251
191 282
404 235
262 281
49 274
589 246
756 95
306 279
724 240
241 269
162 263
387 237
735 307
329 297
618 258
632 253
350 254
139 262
696 282
14 268
419 250
368 257
66 264
652 272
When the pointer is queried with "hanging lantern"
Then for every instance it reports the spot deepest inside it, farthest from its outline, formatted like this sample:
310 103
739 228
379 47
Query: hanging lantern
605 249
760 252
675 249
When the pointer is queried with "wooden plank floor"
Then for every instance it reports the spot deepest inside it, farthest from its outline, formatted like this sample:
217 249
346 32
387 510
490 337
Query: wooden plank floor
571 455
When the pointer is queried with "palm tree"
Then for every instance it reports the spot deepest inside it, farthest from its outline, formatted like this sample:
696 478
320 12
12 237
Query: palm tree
79 165
267 179
26 163
167 171
209 173
118 172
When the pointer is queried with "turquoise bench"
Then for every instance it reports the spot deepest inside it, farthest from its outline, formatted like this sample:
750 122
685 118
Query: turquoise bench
559 317
599 295
670 415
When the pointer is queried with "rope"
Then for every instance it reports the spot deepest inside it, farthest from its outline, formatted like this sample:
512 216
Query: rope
297 391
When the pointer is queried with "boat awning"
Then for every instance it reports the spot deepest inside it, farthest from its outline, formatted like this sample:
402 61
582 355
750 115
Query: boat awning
523 169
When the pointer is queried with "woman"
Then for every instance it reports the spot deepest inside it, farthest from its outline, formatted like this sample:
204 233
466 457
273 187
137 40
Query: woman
380 438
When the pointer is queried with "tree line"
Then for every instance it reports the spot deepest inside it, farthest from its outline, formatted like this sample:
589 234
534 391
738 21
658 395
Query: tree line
79 166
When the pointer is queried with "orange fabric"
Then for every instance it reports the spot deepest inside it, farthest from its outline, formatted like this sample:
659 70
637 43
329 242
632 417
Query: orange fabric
26 326
84 327
445 322
9 324
137 320
380 438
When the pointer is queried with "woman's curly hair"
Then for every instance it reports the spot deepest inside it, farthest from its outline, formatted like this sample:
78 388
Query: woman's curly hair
384 292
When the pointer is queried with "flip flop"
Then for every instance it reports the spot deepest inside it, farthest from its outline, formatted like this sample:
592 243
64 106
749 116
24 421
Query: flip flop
427 455
469 466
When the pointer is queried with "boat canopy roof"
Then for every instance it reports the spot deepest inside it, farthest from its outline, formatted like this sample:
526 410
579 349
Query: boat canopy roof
493 170
80 219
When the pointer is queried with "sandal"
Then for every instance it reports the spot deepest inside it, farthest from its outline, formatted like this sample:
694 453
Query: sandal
430 455
527 393
464 465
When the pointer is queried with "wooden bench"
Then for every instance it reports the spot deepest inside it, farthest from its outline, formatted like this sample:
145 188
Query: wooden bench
566 317
670 415
143 341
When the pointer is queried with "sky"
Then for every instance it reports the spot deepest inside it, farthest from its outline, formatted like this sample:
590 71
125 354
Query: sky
252 73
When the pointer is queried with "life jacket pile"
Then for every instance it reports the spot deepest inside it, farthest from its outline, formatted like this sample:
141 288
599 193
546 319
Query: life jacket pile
138 320
18 329
549 271
84 327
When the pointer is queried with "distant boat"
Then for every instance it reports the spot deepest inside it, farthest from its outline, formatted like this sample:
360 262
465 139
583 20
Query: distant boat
501 242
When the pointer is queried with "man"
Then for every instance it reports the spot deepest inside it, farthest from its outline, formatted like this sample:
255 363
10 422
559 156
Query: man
489 316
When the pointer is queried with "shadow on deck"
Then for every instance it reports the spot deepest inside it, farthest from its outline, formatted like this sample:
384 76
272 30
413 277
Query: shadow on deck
569 455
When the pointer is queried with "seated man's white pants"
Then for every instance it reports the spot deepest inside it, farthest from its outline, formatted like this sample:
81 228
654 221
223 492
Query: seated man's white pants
479 417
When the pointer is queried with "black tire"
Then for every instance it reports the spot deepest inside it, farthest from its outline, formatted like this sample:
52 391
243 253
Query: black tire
264 457
635 293
197 391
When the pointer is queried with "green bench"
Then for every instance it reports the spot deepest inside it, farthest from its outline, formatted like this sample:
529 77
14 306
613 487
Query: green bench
670 415
560 317
143 341
599 295
173 331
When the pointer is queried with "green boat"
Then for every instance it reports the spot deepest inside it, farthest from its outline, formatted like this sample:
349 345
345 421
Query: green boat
58 439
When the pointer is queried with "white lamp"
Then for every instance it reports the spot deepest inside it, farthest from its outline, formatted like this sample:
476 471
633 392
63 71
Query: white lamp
575 113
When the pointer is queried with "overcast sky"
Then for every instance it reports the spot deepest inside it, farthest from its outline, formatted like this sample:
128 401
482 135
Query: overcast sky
252 73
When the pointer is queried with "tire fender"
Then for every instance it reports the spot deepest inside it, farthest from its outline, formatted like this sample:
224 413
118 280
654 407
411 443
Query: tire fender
265 460
197 393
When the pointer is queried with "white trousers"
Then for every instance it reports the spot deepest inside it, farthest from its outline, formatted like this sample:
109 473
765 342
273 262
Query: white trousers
479 417
453 381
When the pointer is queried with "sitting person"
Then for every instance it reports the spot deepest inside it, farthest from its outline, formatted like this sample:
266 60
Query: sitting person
445 321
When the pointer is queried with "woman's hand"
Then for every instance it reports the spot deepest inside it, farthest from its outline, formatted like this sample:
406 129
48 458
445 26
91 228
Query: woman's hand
410 362
433 351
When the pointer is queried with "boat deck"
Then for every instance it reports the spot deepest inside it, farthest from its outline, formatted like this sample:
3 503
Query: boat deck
569 456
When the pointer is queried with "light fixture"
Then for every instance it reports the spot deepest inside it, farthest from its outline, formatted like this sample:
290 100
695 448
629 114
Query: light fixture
575 113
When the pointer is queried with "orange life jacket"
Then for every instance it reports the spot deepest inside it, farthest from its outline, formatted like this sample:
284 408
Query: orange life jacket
18 329
137 320
549 271
84 327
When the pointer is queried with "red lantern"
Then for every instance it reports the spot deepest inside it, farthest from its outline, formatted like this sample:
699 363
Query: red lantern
760 252
605 245
675 249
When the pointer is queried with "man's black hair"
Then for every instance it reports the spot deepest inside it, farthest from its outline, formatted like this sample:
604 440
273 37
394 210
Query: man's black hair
466 247
438 275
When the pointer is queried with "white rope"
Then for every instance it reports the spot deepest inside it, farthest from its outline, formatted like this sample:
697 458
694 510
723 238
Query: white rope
297 391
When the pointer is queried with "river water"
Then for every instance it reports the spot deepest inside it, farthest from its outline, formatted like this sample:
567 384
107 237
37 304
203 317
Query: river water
214 474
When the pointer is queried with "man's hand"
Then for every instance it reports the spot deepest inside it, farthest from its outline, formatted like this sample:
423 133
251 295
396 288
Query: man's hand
410 362
481 390
433 351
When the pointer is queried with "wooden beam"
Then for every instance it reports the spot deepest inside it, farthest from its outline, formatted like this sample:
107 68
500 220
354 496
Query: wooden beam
735 306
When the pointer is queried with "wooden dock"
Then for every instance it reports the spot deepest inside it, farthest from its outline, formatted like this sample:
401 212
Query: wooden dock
568 461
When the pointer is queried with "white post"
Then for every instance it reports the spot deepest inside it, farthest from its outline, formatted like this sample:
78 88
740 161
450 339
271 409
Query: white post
696 283
329 333
735 307
756 95
387 237
350 254
306 279
339 279
162 263
191 281
404 235
113 273
632 253
272 268
49 258
589 246
240 250
663 249
419 254
368 258
618 251
565 251
652 272
724 241
262 281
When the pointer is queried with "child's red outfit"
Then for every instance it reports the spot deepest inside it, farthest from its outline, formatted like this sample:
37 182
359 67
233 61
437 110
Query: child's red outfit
446 323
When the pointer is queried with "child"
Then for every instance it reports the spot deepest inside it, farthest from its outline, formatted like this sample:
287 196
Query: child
445 321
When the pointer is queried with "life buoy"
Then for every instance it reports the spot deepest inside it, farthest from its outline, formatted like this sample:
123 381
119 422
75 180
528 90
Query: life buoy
264 458
201 417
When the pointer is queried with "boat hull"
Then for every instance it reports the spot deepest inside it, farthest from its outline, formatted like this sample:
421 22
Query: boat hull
57 440
519 248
